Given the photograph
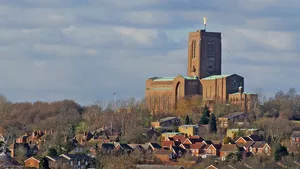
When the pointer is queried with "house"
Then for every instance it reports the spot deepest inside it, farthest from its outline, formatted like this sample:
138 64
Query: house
167 135
166 122
179 138
189 130
211 167
151 134
7 162
32 162
193 140
22 139
212 150
197 148
254 144
295 138
261 148
236 117
147 166
53 161
227 149
125 148
232 133
167 145
75 161
107 147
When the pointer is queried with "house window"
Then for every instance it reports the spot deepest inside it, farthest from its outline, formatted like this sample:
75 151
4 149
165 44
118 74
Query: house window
208 150
266 150
250 149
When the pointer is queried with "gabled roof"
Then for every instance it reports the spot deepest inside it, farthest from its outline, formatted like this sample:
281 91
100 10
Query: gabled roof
255 138
75 156
295 134
193 140
258 144
33 158
125 146
180 138
197 146
211 167
108 146
229 148
185 146
155 145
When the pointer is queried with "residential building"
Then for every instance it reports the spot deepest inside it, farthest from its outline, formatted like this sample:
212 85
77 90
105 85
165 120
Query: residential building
166 122
236 117
32 162
295 138
232 133
189 130
227 149
75 161
167 135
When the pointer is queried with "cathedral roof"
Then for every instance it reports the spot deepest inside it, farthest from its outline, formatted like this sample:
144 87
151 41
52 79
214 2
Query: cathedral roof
215 77
171 78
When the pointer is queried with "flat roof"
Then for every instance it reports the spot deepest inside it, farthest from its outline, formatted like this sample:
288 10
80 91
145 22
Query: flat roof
171 78
215 77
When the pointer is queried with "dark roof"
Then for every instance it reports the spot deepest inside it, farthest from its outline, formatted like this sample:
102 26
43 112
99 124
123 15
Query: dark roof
178 149
295 134
255 138
155 145
258 144
233 115
76 156
195 140
125 147
108 146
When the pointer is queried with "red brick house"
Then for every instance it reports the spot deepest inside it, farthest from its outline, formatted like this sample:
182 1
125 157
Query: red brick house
261 148
227 149
197 148
212 149
32 162
193 140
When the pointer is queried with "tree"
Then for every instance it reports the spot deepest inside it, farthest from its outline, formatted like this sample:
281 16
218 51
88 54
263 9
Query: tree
227 140
44 163
280 151
213 124
187 119
52 152
204 120
206 111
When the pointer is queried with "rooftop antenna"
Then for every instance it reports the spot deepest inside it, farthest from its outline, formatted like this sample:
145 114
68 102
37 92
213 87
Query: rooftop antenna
204 21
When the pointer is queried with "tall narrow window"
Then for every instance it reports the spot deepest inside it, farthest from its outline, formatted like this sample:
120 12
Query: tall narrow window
194 48
210 91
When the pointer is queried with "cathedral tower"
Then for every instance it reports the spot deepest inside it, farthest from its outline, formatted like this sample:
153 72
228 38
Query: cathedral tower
204 54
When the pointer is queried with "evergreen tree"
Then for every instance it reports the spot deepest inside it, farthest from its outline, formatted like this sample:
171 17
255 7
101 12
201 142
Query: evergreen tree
206 111
213 124
280 151
52 152
204 120
187 119
191 121
44 163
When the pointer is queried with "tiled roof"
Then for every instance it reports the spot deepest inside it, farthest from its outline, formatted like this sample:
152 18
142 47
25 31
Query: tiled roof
197 146
180 138
255 138
258 144
229 147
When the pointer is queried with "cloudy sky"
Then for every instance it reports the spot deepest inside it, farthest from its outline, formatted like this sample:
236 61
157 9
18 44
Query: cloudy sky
86 49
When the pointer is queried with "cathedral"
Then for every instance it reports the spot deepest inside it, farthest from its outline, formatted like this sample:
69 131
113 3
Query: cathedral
204 78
